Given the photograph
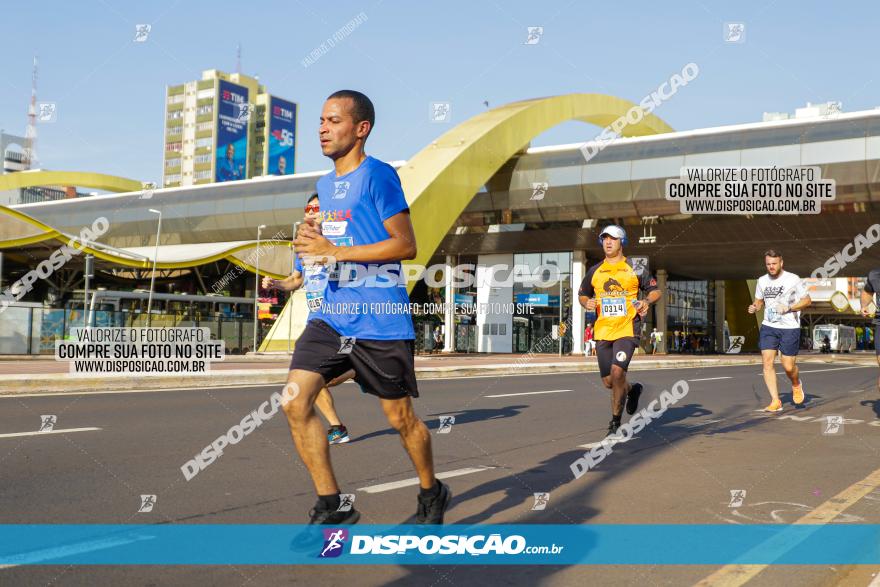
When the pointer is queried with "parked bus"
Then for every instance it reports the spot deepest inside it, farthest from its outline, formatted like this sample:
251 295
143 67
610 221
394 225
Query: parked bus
185 306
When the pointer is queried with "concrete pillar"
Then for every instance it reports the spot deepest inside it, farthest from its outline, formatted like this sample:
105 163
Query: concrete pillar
720 343
578 271
660 311
449 314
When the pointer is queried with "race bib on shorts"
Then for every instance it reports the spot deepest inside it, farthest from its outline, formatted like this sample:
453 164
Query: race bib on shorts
614 307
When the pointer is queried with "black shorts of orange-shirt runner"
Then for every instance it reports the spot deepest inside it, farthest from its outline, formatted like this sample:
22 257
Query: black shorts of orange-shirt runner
615 352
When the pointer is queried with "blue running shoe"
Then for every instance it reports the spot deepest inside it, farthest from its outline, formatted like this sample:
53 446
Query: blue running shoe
337 435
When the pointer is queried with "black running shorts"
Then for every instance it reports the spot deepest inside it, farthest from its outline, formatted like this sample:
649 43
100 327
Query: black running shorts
385 368
615 352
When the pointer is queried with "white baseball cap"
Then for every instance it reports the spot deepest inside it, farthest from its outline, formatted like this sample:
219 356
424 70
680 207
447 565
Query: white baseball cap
613 231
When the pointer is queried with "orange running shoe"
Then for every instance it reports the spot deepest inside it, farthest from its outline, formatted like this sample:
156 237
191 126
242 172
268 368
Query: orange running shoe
797 393
774 406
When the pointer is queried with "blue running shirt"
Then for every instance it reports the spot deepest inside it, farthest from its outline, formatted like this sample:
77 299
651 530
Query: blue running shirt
353 209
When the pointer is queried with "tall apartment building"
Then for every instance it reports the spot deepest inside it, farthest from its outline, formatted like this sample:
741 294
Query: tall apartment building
226 127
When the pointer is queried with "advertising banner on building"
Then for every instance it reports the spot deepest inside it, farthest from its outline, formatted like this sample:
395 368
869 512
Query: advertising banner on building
233 116
282 137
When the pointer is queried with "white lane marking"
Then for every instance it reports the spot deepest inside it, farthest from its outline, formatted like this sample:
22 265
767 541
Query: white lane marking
529 393
67 393
706 423
4 395
37 556
595 444
823 370
59 431
708 379
590 445
415 481
632 368
839 368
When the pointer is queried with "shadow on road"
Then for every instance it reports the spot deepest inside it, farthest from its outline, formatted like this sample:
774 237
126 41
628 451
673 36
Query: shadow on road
515 491
874 405
432 421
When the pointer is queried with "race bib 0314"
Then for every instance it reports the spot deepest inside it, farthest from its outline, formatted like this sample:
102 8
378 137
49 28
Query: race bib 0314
614 307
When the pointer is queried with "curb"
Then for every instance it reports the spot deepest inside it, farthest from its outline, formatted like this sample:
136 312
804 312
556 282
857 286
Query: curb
60 383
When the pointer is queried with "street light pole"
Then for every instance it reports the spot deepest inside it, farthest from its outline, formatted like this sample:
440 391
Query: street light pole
289 304
153 276
257 283
290 297
88 273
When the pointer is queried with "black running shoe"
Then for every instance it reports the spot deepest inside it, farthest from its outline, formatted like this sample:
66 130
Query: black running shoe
333 517
613 427
632 398
431 509
308 537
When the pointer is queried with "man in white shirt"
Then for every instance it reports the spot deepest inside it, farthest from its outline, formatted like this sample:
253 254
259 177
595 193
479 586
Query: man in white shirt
782 295
656 338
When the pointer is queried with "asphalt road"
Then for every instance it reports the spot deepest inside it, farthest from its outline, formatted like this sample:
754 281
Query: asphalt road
508 441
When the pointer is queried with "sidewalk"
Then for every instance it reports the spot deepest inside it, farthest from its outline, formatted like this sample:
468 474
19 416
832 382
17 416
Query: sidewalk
45 375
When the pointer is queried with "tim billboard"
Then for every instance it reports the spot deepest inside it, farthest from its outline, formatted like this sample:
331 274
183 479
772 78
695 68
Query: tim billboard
282 137
233 115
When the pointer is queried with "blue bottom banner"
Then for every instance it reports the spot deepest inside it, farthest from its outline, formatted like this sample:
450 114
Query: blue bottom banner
524 544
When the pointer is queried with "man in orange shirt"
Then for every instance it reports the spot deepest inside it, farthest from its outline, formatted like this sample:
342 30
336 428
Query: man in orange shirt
611 289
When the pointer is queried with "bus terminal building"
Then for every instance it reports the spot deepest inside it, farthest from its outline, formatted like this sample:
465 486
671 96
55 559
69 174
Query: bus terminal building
481 197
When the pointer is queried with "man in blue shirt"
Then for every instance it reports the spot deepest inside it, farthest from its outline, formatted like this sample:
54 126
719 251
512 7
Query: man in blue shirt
368 327
228 169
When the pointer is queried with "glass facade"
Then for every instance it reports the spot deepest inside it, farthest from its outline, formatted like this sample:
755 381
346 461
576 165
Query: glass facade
690 317
533 331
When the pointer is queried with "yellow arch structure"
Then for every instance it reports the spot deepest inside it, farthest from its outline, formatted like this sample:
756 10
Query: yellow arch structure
49 233
86 179
38 177
441 179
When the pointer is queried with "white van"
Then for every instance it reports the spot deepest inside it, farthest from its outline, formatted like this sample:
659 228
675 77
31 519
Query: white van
842 338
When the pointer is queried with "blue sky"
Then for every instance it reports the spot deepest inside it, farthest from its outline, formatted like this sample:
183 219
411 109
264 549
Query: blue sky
109 90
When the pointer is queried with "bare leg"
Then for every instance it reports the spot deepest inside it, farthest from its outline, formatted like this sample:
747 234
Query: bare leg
342 378
619 389
791 368
324 403
414 436
770 373
308 430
